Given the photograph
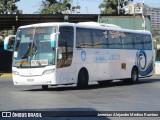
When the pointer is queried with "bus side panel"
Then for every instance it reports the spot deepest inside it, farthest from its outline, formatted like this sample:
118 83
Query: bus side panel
85 59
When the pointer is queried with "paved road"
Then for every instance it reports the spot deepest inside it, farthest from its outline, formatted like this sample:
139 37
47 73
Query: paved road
117 96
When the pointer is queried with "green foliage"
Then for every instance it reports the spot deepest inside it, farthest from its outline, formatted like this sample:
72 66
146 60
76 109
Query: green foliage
155 44
8 6
157 38
154 32
4 33
55 6
111 6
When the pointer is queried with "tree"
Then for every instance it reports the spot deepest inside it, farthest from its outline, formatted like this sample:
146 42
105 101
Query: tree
8 6
154 32
157 38
111 6
55 7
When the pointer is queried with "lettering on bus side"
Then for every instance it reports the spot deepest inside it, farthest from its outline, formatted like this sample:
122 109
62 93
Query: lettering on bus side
107 57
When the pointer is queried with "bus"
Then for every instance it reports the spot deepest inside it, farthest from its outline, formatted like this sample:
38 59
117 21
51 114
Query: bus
9 42
6 56
157 62
63 53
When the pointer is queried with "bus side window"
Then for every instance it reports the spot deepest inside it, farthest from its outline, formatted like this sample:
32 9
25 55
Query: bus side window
138 41
100 39
84 38
128 41
114 40
147 42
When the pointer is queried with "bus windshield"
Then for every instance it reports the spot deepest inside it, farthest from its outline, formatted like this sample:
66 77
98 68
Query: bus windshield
32 47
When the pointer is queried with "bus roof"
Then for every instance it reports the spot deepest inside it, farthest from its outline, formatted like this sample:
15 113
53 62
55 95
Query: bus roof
47 24
95 25
109 27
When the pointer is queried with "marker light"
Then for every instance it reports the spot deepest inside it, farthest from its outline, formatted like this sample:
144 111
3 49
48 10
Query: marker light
15 73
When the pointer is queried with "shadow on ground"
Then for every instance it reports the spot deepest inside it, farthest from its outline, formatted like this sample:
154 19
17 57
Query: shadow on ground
97 86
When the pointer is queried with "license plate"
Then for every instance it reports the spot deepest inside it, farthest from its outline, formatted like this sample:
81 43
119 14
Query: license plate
30 80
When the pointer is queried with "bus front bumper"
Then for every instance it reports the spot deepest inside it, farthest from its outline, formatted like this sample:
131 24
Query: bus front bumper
48 79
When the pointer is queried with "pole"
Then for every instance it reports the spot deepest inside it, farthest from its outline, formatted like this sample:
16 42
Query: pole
118 7
143 16
71 5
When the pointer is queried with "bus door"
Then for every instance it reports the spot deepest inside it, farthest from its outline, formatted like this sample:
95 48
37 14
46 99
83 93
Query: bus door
65 69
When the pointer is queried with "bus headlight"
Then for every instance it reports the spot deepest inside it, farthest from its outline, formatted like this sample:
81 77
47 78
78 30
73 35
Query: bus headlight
15 73
48 71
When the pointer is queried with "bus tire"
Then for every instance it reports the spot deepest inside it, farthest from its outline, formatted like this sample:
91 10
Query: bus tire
82 79
44 87
134 76
104 83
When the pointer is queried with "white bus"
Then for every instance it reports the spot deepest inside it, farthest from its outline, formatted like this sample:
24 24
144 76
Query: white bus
78 53
157 62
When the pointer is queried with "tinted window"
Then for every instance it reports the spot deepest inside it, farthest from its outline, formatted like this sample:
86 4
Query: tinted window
128 40
84 38
147 42
100 39
113 40
138 41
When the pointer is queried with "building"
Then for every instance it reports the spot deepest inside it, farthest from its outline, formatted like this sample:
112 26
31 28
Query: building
155 18
153 12
133 22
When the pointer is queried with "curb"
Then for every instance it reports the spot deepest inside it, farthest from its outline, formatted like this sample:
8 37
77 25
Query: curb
156 74
5 74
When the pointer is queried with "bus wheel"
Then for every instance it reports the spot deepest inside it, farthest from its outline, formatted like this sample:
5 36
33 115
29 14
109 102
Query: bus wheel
134 76
82 79
104 83
44 87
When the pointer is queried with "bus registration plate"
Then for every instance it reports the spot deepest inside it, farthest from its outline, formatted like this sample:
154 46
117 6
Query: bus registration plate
30 80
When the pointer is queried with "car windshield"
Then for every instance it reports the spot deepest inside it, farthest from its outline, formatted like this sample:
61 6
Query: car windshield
33 48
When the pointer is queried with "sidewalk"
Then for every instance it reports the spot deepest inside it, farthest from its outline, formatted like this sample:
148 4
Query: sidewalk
5 74
156 75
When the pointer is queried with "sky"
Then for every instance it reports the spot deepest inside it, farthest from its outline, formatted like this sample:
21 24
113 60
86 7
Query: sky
87 6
